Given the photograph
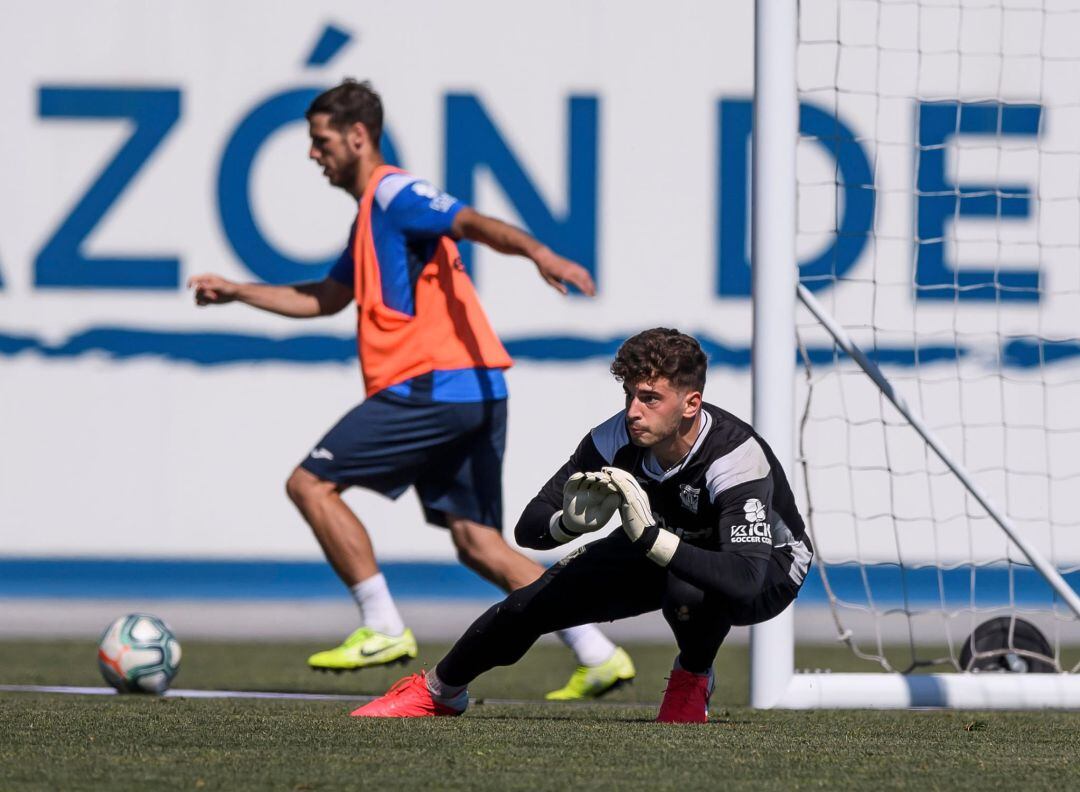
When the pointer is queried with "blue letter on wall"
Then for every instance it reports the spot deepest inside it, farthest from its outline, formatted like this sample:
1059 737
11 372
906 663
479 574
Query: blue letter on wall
473 142
853 176
939 202
62 262
234 188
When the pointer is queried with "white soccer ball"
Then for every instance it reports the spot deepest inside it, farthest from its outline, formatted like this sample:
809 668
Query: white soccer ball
138 653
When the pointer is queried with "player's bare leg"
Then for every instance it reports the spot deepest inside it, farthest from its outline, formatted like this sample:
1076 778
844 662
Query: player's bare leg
382 638
342 536
483 550
602 666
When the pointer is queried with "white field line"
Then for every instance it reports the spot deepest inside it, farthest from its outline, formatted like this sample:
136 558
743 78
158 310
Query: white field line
184 693
74 690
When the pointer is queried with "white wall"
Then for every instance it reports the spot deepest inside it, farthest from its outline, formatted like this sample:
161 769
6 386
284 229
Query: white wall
152 456
145 456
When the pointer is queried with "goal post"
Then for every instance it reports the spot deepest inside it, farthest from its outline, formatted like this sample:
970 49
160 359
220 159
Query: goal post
773 281
929 115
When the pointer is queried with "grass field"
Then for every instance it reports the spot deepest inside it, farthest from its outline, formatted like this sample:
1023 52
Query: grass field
62 742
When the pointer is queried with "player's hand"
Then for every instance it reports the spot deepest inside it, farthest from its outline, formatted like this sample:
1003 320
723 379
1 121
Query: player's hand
658 544
637 516
589 500
559 271
213 290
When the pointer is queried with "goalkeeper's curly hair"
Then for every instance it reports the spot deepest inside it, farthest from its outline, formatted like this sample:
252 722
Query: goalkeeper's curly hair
661 352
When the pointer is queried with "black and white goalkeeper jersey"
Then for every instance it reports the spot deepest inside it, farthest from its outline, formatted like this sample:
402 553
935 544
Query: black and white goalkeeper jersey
729 495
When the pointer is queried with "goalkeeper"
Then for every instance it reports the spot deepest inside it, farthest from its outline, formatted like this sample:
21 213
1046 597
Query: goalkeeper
710 535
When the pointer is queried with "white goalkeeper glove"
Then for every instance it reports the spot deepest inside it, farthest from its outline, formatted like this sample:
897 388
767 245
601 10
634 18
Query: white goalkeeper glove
638 521
589 500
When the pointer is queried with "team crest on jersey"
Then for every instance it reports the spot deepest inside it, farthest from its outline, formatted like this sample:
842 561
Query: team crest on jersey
689 497
566 559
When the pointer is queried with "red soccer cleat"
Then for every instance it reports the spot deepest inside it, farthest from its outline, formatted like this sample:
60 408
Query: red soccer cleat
408 698
686 698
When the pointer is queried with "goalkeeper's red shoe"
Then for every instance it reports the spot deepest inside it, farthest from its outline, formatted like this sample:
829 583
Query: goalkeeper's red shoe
686 698
409 698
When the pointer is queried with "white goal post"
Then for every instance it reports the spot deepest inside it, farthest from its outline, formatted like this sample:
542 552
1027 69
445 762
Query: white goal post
777 295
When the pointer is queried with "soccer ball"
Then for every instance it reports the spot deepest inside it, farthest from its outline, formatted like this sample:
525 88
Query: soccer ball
138 653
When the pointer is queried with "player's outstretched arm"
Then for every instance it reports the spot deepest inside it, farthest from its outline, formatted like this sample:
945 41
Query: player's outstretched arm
556 270
300 300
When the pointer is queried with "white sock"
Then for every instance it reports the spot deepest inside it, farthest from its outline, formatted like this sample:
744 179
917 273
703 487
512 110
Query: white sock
377 608
456 696
590 646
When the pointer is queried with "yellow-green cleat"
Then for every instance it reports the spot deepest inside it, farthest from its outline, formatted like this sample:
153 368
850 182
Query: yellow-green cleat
366 648
594 681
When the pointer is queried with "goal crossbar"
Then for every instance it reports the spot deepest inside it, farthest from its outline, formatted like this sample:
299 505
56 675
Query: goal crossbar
997 691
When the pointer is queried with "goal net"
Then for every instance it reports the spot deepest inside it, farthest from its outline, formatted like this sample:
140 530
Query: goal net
938 225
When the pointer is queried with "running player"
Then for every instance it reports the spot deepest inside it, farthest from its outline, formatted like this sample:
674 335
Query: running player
710 535
435 413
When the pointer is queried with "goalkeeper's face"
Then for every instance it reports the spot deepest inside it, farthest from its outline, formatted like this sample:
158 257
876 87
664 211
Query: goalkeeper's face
657 411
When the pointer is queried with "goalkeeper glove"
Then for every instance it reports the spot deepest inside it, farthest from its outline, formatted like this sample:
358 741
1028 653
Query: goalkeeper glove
589 500
638 521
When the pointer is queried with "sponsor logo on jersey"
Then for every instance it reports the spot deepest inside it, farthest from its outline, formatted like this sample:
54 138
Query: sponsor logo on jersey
752 532
440 201
689 497
755 510
424 189
321 453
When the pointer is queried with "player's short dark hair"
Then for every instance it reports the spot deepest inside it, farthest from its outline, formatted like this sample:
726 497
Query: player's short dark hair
348 103
661 352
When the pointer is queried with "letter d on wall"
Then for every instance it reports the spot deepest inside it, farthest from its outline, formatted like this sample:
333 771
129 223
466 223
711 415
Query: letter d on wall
854 179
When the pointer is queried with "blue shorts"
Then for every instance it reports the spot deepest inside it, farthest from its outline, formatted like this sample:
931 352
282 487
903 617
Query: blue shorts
451 452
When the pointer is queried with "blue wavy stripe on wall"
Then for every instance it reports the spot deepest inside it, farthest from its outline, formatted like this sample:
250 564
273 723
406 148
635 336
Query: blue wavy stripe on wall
117 578
892 356
205 349
114 578
1031 352
13 345
218 349
889 586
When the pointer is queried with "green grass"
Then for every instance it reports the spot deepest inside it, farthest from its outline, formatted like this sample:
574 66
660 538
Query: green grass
75 743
